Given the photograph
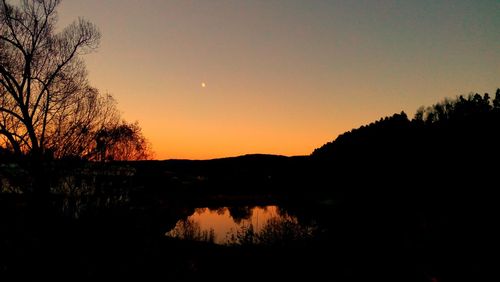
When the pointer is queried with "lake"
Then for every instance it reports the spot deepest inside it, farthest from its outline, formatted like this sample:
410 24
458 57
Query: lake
230 225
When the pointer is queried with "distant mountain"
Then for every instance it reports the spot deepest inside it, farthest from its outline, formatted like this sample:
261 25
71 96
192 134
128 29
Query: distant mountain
251 157
251 173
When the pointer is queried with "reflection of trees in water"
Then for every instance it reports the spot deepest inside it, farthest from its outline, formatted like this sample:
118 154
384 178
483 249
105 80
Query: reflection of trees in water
278 230
218 210
240 213
188 229
200 210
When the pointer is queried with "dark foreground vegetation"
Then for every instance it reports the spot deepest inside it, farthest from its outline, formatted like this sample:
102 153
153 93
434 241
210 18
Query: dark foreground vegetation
396 200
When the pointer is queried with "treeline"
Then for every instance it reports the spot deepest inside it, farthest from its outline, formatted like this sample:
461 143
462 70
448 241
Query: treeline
465 127
417 195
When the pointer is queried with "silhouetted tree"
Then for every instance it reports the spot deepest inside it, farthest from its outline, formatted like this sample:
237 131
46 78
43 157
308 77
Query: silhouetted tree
46 103
75 127
496 101
123 141
42 76
458 108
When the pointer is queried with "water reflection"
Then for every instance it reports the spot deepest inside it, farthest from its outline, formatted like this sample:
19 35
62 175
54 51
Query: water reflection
241 225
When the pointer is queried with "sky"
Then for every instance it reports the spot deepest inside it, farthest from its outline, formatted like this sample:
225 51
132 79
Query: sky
211 78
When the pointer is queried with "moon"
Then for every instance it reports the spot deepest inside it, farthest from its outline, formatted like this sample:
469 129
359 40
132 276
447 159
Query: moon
203 85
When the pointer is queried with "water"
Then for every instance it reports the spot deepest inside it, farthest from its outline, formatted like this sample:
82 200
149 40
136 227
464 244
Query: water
234 224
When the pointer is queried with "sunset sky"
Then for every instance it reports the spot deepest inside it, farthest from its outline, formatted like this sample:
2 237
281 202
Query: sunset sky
209 78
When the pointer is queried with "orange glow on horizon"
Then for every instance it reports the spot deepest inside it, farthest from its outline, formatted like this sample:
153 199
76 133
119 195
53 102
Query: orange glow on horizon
208 140
216 79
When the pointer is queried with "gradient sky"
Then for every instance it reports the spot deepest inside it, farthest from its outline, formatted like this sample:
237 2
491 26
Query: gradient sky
282 77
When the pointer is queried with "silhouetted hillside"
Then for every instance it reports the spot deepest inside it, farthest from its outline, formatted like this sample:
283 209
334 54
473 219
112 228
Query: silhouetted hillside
421 189
248 174
375 139
442 136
